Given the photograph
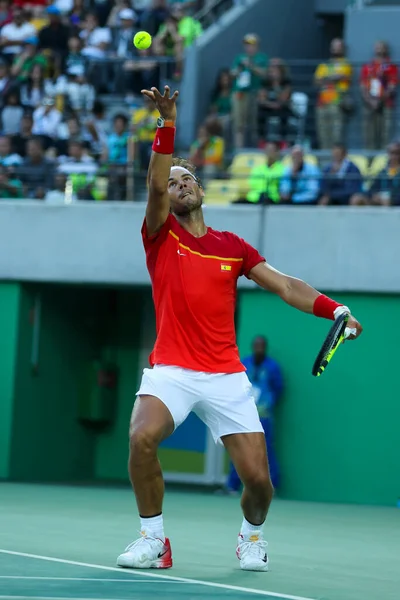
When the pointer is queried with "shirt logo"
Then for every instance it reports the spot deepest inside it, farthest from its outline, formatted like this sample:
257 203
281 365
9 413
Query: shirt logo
226 267
181 253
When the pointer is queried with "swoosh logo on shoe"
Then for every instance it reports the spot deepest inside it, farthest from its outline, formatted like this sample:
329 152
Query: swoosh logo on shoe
265 558
161 554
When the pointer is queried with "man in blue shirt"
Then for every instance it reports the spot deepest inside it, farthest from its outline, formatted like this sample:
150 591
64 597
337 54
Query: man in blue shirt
265 375
300 183
341 182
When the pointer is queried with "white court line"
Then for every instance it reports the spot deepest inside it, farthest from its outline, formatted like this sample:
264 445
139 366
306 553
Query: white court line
50 598
18 577
223 586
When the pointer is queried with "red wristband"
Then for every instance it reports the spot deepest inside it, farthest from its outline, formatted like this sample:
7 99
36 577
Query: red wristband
325 307
164 140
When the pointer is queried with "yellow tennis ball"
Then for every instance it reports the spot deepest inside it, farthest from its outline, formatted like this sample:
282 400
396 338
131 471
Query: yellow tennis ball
142 40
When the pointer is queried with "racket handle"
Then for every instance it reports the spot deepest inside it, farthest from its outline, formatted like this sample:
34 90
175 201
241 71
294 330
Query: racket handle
340 310
349 331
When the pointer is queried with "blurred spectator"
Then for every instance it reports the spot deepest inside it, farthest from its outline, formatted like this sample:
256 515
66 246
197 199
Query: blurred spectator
96 39
57 194
122 36
274 102
64 6
77 14
379 80
265 179
12 34
69 130
301 181
221 102
5 80
266 380
144 125
140 74
78 165
36 172
75 56
207 152
341 181
36 88
8 157
153 18
385 189
248 71
29 58
97 128
19 140
114 18
10 187
187 28
333 80
168 42
5 12
78 92
46 119
54 37
117 142
11 114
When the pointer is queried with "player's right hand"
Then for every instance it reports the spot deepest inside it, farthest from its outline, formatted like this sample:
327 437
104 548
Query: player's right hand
165 104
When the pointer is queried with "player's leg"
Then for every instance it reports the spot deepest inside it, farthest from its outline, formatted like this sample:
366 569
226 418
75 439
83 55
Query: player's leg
268 426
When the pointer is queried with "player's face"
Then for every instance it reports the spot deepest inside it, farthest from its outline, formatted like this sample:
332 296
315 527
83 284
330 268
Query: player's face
184 192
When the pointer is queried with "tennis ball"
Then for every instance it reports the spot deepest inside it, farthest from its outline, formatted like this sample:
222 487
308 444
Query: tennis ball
142 40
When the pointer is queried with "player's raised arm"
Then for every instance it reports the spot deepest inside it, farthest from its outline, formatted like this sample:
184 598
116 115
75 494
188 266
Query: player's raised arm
161 159
299 294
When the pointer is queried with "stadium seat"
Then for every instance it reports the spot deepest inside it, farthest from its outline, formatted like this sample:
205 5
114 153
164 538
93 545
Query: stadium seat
378 163
361 162
220 192
244 162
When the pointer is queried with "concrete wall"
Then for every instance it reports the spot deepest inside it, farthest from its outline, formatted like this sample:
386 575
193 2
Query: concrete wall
364 27
332 248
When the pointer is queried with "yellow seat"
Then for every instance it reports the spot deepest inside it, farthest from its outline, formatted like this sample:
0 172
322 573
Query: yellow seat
361 162
220 192
379 162
244 162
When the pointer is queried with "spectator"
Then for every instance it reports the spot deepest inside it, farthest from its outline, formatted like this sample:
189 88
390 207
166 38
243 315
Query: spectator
379 80
385 189
169 43
19 140
77 14
140 74
63 6
273 102
248 71
266 380
96 40
8 158
114 18
29 58
97 128
36 172
341 182
79 93
11 114
78 165
5 81
301 181
75 56
117 143
15 33
207 152
122 37
265 179
35 89
10 187
54 37
57 194
221 99
46 119
5 13
153 18
333 80
69 130
144 125
188 29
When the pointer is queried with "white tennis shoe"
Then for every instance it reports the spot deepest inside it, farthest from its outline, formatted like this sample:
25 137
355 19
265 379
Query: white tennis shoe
146 553
252 553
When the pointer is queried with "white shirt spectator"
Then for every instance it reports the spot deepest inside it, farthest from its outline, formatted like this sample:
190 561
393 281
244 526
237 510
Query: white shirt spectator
46 122
99 35
85 166
12 32
80 94
11 119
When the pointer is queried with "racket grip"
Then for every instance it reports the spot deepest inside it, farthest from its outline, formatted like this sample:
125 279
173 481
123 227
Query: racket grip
340 310
349 331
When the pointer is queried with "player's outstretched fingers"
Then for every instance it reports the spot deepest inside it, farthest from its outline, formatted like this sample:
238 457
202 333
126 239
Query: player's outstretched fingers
175 95
166 93
156 93
148 94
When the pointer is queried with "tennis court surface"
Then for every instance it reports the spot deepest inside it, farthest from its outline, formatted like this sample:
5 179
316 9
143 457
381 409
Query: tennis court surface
61 543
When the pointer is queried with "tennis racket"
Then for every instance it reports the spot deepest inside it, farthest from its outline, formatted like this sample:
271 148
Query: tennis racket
337 334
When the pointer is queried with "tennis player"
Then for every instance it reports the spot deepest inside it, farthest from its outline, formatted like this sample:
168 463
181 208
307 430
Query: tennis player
195 362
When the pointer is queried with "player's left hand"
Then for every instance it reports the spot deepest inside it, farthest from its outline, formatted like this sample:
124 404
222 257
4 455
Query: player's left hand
352 323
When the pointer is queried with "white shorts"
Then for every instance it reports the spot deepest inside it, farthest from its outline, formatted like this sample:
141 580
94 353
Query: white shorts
223 401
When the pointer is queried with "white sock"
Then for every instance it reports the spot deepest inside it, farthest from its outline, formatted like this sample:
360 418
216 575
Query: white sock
154 526
247 529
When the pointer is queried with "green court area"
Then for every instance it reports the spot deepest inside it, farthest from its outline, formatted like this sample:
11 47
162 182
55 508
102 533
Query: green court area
62 542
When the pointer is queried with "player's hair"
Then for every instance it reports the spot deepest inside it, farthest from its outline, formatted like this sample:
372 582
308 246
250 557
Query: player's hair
177 161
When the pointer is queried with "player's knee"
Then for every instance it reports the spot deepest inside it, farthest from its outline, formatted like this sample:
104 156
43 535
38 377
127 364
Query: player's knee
260 483
143 442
